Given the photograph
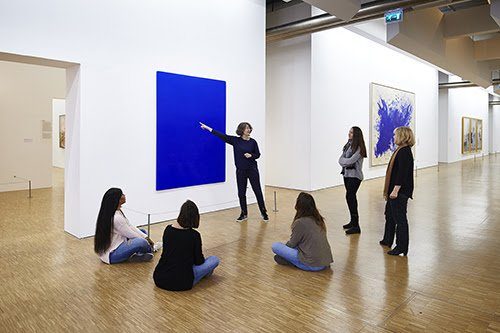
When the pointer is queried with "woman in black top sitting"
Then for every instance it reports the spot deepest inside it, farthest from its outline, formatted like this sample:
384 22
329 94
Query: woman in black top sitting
246 153
182 264
398 188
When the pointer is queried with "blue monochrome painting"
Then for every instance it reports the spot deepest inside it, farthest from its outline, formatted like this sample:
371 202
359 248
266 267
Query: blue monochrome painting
390 108
185 154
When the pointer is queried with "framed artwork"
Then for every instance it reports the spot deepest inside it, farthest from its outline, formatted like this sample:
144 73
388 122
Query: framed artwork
472 135
389 108
466 144
62 131
479 135
185 154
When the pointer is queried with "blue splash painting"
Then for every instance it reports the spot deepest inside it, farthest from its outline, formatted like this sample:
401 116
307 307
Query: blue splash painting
391 108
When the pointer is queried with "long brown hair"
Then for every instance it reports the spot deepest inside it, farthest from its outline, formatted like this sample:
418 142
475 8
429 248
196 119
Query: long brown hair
306 207
358 141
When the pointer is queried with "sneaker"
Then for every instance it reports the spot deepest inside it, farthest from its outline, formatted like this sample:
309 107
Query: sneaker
157 246
281 260
242 218
265 217
140 257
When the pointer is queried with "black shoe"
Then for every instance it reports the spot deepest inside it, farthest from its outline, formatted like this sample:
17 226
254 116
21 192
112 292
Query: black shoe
383 243
242 218
265 217
397 252
281 260
347 226
353 230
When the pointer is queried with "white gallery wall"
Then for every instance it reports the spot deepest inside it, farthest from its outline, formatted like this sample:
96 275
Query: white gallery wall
343 64
111 95
457 103
26 93
288 101
58 109
495 129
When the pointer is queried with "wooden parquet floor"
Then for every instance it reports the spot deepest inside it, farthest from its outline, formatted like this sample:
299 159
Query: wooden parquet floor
450 281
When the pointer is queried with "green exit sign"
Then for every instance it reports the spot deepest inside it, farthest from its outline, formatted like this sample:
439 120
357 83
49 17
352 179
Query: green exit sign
394 16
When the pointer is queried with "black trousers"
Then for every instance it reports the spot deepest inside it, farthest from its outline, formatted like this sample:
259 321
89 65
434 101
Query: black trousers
396 222
252 174
351 188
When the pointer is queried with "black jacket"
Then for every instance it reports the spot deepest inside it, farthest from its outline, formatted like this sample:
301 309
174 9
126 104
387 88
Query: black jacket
402 172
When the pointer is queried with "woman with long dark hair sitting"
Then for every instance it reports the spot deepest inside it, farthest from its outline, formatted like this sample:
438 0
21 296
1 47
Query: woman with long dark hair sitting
182 264
116 240
351 162
308 247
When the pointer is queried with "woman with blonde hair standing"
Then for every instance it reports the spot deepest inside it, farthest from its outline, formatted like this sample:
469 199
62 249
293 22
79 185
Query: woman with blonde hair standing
398 189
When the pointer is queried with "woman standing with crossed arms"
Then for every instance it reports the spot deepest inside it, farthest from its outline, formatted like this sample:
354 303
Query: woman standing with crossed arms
351 162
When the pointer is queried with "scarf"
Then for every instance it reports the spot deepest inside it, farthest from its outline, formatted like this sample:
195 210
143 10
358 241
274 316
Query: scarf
389 172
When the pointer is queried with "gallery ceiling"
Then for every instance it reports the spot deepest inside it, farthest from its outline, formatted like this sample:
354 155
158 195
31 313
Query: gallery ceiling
460 36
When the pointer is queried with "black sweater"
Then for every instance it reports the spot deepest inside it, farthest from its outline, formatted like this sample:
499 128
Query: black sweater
181 250
402 172
240 147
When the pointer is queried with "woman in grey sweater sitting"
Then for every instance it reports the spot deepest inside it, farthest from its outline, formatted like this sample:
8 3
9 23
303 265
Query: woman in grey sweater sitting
308 247
351 162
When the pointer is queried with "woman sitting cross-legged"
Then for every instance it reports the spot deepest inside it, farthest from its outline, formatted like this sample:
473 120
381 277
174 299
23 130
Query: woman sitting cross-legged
182 264
116 240
308 247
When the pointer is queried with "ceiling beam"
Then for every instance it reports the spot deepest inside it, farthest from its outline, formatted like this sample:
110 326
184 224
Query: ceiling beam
488 49
421 34
467 22
495 10
343 9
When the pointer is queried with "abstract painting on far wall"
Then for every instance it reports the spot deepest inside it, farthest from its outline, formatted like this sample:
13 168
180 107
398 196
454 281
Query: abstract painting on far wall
390 108
466 137
479 135
62 131
472 135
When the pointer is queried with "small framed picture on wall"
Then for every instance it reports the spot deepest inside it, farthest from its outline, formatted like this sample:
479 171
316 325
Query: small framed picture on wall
62 131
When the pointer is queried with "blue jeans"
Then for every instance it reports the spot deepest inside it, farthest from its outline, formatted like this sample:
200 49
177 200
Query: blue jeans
292 255
207 268
129 247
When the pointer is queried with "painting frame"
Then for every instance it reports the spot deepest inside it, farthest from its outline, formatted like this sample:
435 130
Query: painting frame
472 135
374 117
62 131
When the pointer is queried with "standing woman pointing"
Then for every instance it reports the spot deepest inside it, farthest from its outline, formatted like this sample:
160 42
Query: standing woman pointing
246 152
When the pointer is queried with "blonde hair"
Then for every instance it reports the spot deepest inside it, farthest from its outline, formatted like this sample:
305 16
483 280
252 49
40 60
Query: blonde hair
404 136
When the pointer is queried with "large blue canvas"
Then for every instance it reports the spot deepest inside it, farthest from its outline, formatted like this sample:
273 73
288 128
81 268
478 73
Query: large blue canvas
185 154
390 108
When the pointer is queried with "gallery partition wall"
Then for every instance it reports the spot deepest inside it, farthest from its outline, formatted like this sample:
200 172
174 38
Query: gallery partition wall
72 139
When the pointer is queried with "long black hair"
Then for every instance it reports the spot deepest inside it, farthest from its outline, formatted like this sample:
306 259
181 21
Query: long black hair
104 225
306 207
358 141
